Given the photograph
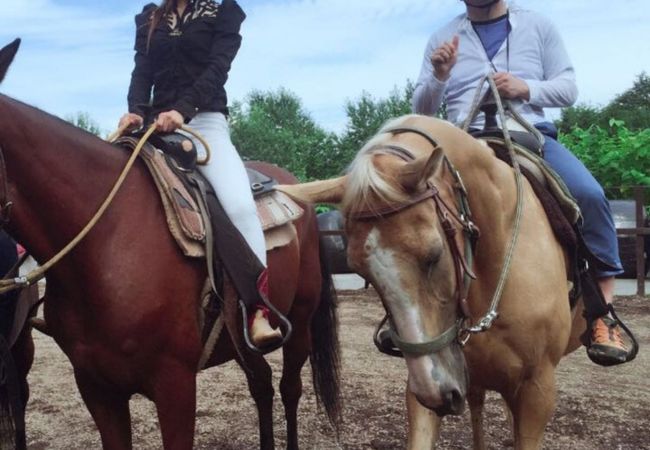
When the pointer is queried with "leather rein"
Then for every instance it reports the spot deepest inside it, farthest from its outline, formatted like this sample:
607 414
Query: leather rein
452 221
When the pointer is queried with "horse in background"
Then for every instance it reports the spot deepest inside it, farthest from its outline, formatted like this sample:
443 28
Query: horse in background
16 350
400 200
123 305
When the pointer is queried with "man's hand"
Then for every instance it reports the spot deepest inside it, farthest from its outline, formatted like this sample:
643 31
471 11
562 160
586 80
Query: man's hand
511 87
444 59
130 121
169 121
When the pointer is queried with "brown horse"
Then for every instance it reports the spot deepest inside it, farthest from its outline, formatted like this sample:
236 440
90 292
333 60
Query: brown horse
16 357
400 199
123 304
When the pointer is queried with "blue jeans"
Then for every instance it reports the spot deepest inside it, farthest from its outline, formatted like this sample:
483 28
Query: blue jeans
598 228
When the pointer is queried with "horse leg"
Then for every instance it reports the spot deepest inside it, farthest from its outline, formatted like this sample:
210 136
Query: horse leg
174 393
23 354
258 375
423 424
476 400
295 353
110 411
532 403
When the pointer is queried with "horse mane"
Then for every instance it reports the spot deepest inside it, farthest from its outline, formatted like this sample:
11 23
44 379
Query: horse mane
366 186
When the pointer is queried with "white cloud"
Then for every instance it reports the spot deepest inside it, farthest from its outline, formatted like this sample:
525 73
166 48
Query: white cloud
79 57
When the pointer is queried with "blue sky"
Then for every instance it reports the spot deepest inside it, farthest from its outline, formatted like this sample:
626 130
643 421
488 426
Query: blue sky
77 54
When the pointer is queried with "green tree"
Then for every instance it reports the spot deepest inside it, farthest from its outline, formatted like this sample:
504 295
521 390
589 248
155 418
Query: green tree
85 122
367 114
274 127
580 116
632 107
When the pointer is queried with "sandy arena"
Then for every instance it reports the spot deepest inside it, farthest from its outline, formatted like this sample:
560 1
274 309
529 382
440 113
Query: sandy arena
597 408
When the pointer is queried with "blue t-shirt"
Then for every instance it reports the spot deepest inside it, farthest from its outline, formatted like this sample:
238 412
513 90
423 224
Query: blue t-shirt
492 34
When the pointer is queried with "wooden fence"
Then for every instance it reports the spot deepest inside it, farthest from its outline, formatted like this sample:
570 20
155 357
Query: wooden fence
640 231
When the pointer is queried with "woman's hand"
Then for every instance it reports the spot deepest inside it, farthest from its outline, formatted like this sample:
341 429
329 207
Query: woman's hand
511 87
130 121
169 121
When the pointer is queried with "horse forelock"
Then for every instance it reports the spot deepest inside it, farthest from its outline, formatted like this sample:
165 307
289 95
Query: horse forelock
367 187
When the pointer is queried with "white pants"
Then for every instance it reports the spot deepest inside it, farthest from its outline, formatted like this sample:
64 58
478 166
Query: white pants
227 174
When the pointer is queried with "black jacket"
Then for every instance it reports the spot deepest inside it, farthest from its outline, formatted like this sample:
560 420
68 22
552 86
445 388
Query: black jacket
188 60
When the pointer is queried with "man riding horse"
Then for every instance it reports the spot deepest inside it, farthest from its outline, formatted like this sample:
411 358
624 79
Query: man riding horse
531 69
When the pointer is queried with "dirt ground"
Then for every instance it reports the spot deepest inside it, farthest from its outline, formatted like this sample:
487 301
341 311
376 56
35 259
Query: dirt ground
597 408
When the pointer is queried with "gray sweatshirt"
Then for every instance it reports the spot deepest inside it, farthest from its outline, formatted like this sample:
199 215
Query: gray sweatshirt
536 55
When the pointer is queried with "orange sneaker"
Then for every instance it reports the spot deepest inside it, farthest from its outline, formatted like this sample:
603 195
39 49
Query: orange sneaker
606 347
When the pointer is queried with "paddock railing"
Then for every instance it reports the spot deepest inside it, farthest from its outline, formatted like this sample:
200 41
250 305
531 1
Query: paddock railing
640 232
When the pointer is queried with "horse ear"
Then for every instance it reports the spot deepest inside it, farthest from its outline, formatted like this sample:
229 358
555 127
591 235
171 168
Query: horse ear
325 191
414 175
7 56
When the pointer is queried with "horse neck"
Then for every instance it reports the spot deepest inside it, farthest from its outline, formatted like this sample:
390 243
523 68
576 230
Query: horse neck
492 197
56 176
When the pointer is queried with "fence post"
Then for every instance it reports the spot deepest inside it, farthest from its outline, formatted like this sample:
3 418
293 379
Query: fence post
639 237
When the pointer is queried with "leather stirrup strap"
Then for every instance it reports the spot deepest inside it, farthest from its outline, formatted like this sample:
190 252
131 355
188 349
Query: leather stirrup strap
209 231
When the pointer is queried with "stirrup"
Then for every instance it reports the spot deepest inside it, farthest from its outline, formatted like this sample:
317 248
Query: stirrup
631 354
285 327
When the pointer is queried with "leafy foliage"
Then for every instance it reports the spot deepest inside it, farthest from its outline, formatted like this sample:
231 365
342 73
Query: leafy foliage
274 127
85 122
580 116
615 155
632 107
366 115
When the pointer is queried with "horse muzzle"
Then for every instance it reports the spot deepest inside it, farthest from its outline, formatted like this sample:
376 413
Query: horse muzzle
439 381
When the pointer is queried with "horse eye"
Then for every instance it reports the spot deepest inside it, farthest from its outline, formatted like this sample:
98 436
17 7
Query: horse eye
433 257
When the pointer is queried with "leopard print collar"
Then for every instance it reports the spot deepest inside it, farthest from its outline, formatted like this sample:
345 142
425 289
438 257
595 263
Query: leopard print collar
194 10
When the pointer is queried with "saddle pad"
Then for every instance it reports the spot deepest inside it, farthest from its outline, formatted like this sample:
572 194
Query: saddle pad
181 211
551 179
276 209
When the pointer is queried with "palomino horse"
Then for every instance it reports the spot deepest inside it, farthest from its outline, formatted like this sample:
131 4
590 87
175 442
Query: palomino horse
402 222
123 304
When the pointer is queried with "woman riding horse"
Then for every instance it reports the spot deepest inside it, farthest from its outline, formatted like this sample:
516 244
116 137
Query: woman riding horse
124 304
532 69
184 50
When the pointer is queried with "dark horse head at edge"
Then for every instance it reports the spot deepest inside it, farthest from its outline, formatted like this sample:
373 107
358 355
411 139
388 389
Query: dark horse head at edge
7 56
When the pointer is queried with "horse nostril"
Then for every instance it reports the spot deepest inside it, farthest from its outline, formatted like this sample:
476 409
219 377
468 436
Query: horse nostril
454 400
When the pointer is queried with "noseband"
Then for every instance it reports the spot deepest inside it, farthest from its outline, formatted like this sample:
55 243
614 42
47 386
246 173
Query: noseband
448 217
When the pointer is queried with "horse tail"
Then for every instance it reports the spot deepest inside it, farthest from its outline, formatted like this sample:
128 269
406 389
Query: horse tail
324 358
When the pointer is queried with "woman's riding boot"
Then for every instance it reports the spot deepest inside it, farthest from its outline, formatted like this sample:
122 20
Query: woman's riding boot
259 327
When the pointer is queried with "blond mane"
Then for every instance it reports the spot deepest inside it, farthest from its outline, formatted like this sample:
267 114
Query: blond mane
367 187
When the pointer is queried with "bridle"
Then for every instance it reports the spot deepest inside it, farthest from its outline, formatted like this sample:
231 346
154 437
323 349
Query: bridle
450 219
